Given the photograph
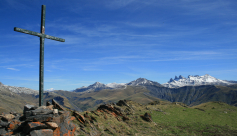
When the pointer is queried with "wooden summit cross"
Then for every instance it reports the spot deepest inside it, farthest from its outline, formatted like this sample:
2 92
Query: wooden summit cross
42 37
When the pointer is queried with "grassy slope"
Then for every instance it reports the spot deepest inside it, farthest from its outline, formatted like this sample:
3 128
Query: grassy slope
185 121
11 101
174 120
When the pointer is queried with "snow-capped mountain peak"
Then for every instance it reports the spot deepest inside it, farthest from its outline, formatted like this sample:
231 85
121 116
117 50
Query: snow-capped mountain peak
100 86
142 81
194 81
97 84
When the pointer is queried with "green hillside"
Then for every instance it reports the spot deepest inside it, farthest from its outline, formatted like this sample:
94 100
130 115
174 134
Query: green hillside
168 119
13 102
212 118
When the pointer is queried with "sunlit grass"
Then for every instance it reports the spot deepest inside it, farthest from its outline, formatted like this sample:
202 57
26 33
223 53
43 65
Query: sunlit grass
180 120
170 119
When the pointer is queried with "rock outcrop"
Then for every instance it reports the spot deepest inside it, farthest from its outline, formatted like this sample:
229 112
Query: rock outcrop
38 121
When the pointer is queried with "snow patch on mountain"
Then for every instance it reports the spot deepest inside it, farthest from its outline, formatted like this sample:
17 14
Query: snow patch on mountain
50 90
194 81
115 85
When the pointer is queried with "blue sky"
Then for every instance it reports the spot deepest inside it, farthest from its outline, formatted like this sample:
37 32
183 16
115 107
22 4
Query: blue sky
118 41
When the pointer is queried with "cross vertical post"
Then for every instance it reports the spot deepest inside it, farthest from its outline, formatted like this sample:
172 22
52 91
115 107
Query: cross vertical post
41 68
42 36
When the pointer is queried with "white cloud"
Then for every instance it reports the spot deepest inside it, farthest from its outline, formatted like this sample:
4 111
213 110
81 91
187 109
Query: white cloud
142 25
13 69
209 8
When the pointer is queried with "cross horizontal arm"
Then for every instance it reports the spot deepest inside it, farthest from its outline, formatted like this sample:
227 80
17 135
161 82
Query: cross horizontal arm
38 34
54 38
28 32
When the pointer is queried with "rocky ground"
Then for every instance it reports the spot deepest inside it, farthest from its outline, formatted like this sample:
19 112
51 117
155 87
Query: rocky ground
125 117
55 120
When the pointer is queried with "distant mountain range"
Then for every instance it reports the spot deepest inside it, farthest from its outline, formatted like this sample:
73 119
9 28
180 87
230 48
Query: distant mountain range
191 91
100 86
172 83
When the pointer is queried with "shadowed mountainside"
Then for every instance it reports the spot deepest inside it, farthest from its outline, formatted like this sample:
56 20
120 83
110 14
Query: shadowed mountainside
194 95
190 95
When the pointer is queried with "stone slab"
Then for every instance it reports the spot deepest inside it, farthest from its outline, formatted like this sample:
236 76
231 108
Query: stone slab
42 132
40 118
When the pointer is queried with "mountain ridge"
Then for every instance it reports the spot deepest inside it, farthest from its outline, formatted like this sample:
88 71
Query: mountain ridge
97 86
177 82
19 90
140 90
